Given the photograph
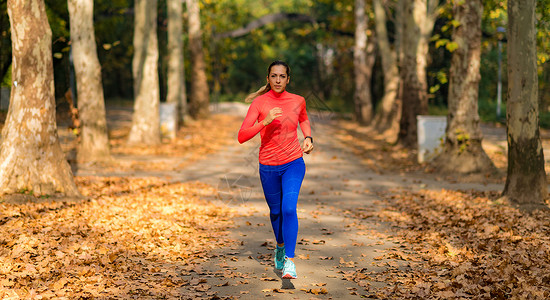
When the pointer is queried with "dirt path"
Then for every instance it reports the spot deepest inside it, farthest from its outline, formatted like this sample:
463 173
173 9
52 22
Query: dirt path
333 249
327 245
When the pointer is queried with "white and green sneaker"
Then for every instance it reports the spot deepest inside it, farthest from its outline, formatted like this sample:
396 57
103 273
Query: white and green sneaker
289 270
279 257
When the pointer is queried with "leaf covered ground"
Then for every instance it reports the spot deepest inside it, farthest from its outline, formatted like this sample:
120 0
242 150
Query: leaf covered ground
460 244
142 238
453 244
151 238
134 238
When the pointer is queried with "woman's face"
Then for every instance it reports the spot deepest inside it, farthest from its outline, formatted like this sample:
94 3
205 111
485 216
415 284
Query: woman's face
278 79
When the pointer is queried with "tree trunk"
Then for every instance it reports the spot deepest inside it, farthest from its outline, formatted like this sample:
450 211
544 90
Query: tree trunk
425 15
418 23
145 120
399 6
387 118
199 97
176 70
462 152
362 96
94 140
31 158
325 59
414 95
526 180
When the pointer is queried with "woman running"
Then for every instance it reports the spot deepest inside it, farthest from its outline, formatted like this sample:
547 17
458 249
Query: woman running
275 114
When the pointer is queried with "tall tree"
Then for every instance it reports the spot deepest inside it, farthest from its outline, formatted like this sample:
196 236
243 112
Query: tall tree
199 97
425 14
389 112
176 71
94 142
399 6
526 181
462 151
418 21
30 156
362 96
146 120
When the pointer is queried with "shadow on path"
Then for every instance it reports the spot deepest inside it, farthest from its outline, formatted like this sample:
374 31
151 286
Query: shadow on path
332 247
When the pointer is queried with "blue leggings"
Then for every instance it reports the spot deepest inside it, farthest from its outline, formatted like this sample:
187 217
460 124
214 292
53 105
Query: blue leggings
281 185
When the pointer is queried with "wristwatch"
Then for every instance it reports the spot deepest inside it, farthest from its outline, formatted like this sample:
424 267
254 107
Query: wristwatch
309 138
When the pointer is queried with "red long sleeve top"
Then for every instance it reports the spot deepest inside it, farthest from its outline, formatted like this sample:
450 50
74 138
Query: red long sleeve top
280 143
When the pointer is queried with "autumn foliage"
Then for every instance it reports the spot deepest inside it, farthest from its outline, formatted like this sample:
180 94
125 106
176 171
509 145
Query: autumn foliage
130 238
133 238
151 238
460 244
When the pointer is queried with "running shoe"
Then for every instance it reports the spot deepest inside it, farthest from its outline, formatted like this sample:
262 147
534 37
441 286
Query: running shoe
279 257
289 271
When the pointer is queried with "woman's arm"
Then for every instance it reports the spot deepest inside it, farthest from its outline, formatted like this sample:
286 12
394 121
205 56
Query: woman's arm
248 128
304 120
306 129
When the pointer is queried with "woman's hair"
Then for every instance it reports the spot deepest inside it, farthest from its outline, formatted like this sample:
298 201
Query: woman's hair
264 89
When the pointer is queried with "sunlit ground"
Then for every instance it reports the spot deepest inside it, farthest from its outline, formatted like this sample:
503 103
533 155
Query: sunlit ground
133 238
461 244
141 237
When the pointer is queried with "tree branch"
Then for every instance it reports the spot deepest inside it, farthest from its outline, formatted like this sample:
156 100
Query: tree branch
267 19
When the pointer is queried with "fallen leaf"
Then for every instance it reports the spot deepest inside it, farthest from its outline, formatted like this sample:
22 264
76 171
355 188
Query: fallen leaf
268 279
320 291
319 284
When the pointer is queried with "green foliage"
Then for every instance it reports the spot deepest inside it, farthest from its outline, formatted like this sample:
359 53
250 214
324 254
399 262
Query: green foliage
440 55
319 53
58 18
242 62
543 34
544 119
5 46
441 77
439 42
25 191
6 81
489 73
487 111
495 16
463 139
239 97
437 110
337 105
114 25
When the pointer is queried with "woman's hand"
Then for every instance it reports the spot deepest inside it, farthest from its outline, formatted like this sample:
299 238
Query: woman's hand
308 146
273 114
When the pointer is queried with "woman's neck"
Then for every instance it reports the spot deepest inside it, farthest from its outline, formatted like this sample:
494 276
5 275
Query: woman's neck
275 94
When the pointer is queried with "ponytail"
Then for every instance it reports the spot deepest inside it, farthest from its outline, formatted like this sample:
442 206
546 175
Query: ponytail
264 89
